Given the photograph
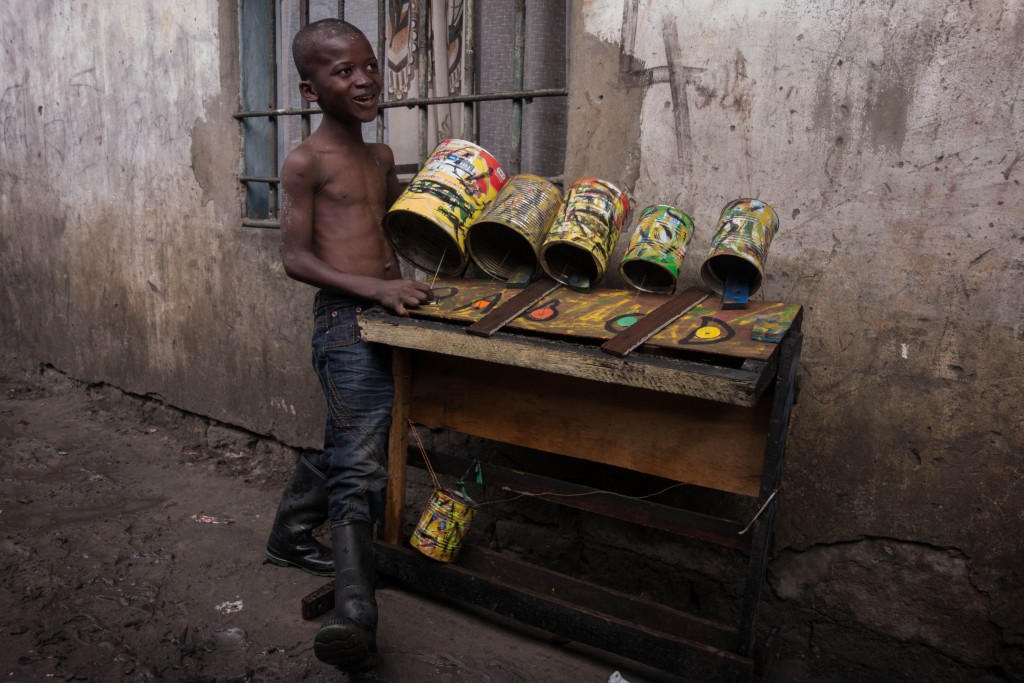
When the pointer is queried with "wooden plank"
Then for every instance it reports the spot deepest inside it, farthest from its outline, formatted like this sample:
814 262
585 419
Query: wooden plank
774 459
666 651
398 438
773 327
655 321
512 308
595 598
674 376
676 437
601 314
319 601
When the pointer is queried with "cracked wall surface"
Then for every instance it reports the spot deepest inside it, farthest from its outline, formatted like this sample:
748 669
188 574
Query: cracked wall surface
888 138
122 258
887 135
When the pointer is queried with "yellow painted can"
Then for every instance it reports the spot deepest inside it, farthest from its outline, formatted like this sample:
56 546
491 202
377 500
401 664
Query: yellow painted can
739 247
427 223
444 523
508 234
577 248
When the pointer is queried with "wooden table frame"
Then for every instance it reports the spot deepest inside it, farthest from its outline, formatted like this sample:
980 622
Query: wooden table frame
573 400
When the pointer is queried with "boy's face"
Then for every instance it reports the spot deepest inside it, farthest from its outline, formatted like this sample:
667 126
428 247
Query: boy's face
346 81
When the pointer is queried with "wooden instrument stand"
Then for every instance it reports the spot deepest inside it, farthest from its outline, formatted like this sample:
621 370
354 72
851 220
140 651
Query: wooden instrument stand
722 426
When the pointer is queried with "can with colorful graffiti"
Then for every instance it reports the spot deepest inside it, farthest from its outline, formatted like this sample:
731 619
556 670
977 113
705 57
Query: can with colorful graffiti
739 247
427 223
444 523
655 253
575 251
508 234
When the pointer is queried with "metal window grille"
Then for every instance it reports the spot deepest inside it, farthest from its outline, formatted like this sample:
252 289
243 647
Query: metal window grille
261 116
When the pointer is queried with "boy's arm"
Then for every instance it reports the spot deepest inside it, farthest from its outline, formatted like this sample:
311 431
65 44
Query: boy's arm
387 156
300 177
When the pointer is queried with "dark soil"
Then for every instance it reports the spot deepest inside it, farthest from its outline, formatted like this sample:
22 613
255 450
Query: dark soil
111 572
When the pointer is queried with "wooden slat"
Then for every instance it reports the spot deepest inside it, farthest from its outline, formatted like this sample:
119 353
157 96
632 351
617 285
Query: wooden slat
669 652
655 321
597 316
397 444
676 437
653 515
673 376
513 308
597 598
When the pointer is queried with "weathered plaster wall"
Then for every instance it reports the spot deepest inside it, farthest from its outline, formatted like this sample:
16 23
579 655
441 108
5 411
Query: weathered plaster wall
886 134
888 137
122 258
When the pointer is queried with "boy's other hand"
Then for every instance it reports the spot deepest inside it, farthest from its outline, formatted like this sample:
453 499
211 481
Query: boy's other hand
397 294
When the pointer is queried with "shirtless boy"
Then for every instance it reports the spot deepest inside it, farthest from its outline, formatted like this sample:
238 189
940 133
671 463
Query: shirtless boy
335 190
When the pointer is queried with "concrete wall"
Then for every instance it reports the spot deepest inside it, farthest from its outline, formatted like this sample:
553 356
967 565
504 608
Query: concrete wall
886 135
122 258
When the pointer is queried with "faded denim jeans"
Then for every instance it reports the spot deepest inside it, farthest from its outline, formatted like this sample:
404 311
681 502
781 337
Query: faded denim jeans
357 383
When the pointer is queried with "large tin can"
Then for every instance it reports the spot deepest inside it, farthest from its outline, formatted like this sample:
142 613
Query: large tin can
508 234
656 250
427 223
577 248
739 247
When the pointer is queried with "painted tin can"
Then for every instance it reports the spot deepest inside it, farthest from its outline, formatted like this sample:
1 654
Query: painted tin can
739 247
508 234
443 525
577 248
656 250
427 223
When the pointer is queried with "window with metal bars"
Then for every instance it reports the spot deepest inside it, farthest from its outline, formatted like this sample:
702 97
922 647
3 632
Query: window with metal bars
489 71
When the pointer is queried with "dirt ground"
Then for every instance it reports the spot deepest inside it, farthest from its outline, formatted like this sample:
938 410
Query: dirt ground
111 572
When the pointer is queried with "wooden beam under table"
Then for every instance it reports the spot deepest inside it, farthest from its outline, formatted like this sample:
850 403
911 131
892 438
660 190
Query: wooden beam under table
676 437
583 612
737 386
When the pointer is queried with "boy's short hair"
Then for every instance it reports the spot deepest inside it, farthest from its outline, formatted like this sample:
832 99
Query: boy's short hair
305 44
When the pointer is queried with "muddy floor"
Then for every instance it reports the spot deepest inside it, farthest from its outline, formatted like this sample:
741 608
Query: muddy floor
132 550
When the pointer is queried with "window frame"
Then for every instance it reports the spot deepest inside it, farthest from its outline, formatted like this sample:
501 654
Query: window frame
261 134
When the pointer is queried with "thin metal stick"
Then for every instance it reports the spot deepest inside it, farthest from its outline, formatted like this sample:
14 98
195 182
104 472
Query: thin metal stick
439 264
638 289
770 498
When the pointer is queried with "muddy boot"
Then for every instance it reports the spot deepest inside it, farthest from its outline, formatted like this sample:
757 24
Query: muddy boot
349 640
303 508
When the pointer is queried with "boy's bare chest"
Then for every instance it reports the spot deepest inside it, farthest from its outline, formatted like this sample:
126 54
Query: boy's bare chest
366 186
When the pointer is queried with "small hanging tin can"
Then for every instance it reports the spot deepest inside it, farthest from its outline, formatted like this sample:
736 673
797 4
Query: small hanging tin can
443 525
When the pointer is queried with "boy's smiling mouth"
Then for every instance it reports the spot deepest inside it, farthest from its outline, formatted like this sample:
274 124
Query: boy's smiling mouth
365 99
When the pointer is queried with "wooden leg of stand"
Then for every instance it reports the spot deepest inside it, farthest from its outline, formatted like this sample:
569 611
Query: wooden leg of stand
397 444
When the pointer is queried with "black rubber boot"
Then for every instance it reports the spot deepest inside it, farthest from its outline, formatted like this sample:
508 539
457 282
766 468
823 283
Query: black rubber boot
303 508
349 640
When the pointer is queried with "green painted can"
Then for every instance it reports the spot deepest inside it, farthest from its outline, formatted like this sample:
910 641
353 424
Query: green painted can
577 248
739 247
655 253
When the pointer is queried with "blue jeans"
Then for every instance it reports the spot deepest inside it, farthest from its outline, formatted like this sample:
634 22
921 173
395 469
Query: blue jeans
356 380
